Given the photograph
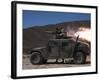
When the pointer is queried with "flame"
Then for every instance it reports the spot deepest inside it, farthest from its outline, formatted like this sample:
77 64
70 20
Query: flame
84 33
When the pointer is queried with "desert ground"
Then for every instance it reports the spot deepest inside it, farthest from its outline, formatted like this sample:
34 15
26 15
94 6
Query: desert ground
51 63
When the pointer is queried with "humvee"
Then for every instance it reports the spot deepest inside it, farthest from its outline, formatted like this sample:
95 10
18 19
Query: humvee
69 48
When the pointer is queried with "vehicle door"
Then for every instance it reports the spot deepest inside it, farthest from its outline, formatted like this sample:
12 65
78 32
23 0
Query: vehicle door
53 51
67 48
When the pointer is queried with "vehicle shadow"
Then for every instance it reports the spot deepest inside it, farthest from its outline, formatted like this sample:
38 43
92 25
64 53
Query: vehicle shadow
88 62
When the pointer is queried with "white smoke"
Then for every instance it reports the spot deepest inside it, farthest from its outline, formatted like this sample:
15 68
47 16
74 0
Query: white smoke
84 33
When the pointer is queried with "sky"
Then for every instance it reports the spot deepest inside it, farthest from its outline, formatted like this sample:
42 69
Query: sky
39 18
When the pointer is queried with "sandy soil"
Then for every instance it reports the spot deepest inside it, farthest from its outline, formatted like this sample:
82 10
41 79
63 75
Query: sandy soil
51 64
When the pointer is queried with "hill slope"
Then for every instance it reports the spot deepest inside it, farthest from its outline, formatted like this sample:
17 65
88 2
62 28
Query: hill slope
36 36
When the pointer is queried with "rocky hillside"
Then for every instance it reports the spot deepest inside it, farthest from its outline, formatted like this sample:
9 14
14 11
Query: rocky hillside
36 36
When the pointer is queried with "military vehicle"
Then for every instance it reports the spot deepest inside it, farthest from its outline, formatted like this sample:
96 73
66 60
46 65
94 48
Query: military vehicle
61 48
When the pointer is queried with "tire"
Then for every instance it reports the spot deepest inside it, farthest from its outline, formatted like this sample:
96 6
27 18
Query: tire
79 58
36 58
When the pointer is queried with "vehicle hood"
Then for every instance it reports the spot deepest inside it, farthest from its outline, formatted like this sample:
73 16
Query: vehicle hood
38 48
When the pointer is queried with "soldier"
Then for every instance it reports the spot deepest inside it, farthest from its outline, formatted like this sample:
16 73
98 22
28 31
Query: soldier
59 33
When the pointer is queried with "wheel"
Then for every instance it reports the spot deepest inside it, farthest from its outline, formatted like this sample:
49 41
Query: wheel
79 58
36 58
